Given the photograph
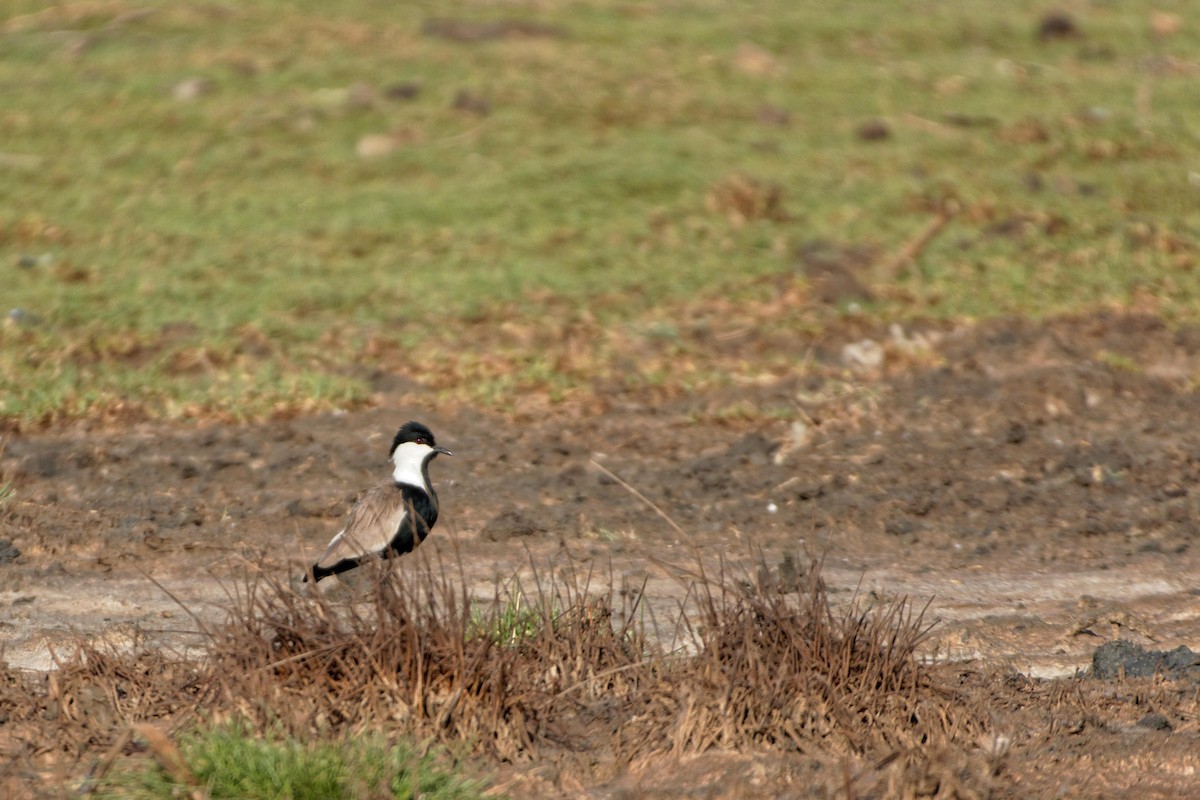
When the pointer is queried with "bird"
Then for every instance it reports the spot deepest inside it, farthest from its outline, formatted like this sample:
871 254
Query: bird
392 518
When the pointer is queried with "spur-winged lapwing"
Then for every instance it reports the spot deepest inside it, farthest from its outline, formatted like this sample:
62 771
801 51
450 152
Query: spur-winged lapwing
394 517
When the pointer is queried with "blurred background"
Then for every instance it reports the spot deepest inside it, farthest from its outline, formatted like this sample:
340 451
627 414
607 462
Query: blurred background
262 209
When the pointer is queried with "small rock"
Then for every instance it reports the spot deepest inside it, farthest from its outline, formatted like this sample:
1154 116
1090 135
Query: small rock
1174 491
405 90
1180 658
1058 25
873 130
810 490
8 551
864 355
190 89
1155 722
1112 659
374 145
910 344
19 316
1017 433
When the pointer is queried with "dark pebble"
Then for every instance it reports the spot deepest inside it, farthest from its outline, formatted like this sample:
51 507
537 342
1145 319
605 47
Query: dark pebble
1155 722
1111 659
8 551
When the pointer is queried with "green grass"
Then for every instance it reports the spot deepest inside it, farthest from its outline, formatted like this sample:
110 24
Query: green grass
511 621
229 762
142 229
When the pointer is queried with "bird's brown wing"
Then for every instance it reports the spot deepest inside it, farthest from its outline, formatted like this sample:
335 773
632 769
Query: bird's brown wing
372 523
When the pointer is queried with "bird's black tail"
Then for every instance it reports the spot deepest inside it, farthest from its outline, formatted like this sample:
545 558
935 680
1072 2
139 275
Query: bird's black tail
317 572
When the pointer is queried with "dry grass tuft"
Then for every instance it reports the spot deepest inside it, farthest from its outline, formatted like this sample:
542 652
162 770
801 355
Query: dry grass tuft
90 704
743 199
416 659
786 670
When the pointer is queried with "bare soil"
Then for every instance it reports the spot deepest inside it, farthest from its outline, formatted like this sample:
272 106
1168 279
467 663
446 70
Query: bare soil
1035 483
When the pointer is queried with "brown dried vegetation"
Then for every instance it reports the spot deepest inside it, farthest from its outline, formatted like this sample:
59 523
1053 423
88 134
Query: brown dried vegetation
743 199
592 686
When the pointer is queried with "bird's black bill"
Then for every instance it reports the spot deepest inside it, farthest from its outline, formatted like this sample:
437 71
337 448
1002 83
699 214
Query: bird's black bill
443 451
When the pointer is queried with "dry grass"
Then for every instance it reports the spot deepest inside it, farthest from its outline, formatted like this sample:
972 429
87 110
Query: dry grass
767 665
415 659
64 727
790 672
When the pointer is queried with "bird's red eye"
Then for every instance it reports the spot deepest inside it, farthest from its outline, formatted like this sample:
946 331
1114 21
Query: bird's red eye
421 440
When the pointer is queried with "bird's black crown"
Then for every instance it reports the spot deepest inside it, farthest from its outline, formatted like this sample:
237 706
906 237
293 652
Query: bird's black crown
412 432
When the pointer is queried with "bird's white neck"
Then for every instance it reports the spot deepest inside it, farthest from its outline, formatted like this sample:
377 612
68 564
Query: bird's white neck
409 459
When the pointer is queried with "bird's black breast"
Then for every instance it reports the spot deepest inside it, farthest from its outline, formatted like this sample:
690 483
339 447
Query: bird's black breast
421 516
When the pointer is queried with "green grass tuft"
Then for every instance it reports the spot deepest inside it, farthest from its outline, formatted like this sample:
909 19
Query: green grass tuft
510 621
231 762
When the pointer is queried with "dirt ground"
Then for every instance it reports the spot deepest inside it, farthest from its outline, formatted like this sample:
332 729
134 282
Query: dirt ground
1036 483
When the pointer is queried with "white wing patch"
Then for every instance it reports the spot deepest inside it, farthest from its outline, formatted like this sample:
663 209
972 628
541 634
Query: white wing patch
370 527
333 545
